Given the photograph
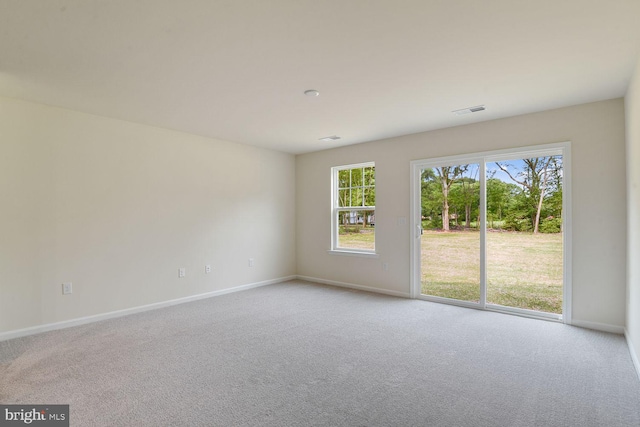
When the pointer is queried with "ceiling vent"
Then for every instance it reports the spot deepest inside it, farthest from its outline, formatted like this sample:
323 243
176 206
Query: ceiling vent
470 110
330 138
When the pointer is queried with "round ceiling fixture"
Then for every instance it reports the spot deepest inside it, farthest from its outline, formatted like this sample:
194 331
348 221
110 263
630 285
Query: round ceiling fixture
311 92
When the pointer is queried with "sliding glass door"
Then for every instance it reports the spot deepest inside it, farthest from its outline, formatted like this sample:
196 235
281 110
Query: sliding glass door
450 250
524 233
490 230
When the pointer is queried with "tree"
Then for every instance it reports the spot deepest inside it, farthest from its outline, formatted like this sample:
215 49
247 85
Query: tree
537 177
369 189
464 197
447 175
470 189
431 197
554 201
497 197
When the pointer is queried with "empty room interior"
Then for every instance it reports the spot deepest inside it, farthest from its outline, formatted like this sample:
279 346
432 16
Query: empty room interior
291 212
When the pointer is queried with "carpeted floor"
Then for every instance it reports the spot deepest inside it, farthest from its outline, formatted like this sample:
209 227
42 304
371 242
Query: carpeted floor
299 354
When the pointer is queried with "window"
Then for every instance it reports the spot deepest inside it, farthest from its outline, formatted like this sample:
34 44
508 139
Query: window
353 203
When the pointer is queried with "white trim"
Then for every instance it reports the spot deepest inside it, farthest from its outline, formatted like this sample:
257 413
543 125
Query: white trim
415 233
125 312
495 155
355 165
355 208
604 327
632 352
483 232
567 235
559 148
451 301
335 208
531 314
353 252
523 312
354 286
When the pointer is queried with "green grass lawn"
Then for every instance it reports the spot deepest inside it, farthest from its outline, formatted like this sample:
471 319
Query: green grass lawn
523 270
363 238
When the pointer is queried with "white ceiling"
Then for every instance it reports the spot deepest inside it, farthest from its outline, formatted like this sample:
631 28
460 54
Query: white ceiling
237 69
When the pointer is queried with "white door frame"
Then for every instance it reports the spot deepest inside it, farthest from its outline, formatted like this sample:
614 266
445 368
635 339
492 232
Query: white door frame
562 148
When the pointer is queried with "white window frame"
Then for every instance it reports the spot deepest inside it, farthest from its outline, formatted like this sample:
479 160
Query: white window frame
335 208
562 148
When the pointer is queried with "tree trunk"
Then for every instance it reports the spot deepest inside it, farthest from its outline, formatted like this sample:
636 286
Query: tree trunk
445 206
543 187
536 224
467 216
445 216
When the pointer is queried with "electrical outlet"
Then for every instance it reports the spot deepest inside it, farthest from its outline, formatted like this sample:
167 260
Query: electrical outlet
207 269
182 272
250 262
67 288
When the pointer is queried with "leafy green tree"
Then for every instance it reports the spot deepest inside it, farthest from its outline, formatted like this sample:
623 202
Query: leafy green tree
465 197
368 192
497 197
501 199
447 175
538 178
553 204
356 188
431 197
470 190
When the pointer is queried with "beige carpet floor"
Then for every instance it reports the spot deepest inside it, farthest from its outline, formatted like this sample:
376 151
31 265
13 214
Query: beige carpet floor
300 354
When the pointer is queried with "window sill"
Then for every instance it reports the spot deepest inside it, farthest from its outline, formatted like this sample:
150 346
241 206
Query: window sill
348 252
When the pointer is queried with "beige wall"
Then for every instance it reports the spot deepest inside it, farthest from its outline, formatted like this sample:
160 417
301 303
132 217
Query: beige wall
116 208
632 104
597 133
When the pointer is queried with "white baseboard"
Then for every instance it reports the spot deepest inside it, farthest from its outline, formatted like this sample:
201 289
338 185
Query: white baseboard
119 313
354 286
604 327
632 352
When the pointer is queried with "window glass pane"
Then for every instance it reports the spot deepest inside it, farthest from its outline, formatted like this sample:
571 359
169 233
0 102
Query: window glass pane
356 229
370 197
343 178
524 233
356 177
356 197
369 176
344 197
450 245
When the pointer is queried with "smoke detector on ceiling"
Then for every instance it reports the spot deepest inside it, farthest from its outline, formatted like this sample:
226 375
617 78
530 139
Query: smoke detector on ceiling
470 110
